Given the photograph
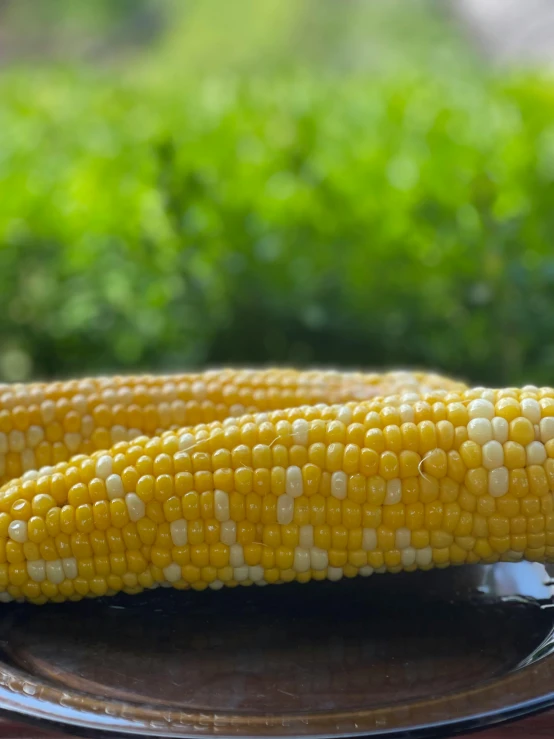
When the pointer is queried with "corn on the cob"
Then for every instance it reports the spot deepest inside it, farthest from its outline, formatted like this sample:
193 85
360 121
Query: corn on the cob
430 475
43 424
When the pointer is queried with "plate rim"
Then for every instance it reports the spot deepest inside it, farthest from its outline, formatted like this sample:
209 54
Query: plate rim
49 714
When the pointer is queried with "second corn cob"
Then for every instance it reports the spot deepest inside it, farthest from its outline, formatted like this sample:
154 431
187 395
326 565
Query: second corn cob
45 423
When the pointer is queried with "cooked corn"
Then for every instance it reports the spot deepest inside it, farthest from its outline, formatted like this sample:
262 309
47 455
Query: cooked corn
43 424
428 475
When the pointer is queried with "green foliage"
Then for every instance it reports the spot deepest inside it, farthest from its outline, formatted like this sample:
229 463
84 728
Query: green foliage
370 221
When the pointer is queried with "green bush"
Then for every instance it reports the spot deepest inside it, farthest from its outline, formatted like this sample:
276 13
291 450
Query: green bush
362 221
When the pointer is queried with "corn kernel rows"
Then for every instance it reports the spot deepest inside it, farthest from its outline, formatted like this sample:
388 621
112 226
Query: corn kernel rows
413 480
43 424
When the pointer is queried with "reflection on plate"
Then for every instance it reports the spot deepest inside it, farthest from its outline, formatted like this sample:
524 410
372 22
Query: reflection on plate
426 652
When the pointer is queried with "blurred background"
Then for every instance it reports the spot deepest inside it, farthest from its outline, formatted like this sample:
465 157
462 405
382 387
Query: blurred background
313 182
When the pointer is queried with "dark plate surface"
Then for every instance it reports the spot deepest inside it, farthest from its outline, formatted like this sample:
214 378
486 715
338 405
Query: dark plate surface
429 653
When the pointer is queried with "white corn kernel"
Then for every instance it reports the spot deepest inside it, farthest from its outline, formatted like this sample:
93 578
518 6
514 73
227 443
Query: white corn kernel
424 556
294 484
35 435
48 411
403 538
186 442
499 482
236 555
37 570
306 536
500 429
71 571
319 559
285 509
179 532
369 540
366 571
228 533
54 571
118 433
16 440
345 415
135 507
481 408
408 556
72 441
394 492
547 429
480 430
406 413
114 487
172 572
221 506
79 402
531 409
536 453
256 573
199 390
17 531
300 431
339 482
301 560
493 455
240 574
104 466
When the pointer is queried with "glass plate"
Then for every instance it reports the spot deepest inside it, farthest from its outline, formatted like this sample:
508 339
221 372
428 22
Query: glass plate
428 653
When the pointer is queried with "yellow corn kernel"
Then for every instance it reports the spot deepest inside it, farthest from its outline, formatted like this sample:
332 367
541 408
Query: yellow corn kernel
369 462
456 466
420 539
78 495
514 455
36 529
371 516
41 504
394 516
376 490
145 487
521 431
429 489
98 542
21 510
409 462
471 455
388 465
67 519
445 434
508 408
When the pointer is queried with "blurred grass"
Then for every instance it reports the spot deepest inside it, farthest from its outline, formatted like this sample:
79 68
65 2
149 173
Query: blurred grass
278 183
